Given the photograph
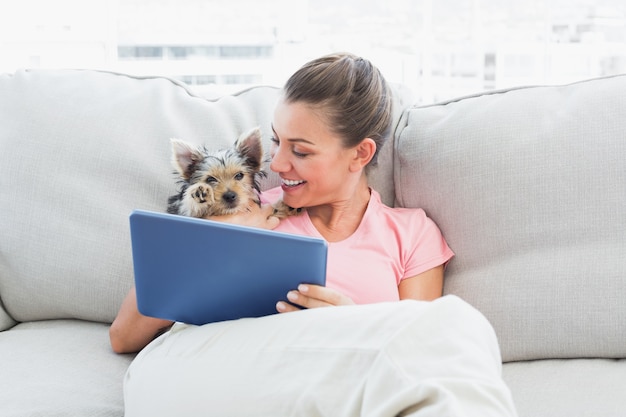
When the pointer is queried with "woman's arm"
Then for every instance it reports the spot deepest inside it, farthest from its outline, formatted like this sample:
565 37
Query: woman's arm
426 286
131 331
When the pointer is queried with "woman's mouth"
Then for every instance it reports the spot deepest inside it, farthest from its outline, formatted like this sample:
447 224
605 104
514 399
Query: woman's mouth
291 183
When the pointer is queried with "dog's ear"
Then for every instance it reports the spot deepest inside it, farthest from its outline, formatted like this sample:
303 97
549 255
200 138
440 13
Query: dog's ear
185 157
250 146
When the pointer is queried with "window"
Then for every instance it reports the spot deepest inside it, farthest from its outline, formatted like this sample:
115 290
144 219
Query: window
192 52
140 52
241 79
439 48
197 79
246 51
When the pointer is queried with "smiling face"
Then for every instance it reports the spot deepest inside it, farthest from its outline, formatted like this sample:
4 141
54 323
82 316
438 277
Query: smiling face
314 165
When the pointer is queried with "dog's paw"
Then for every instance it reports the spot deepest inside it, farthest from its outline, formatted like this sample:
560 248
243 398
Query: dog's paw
199 194
282 210
197 201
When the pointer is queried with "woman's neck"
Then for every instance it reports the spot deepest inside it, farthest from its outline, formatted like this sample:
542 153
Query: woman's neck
339 220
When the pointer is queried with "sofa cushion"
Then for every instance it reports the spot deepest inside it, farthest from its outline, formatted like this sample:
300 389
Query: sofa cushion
6 321
528 186
62 368
568 387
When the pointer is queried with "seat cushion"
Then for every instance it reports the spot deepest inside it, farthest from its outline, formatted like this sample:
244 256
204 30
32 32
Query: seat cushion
565 388
62 368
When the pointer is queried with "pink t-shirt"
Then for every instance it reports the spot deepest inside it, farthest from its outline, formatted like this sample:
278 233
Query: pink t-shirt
390 244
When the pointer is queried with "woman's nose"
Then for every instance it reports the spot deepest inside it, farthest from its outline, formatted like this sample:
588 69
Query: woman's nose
278 163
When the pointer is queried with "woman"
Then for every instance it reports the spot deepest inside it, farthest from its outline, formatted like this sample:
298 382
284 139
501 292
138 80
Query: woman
329 125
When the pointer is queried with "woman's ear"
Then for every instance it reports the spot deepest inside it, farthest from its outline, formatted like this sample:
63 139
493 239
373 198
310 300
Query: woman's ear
364 152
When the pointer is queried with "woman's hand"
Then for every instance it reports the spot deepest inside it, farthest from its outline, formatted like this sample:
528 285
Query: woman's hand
312 296
255 216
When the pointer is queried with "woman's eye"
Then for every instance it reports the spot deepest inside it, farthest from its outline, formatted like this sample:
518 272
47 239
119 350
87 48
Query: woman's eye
299 152
211 180
239 176
276 144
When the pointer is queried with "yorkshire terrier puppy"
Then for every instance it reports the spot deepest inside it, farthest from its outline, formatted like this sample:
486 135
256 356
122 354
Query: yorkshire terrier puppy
222 182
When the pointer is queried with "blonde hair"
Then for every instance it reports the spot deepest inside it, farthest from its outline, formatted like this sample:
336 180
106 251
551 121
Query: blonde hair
350 92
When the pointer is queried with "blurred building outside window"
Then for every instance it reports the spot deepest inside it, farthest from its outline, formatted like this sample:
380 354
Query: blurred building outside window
441 49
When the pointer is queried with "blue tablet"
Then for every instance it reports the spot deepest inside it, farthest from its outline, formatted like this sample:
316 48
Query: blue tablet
200 271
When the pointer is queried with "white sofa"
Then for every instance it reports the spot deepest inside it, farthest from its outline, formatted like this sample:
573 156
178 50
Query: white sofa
528 186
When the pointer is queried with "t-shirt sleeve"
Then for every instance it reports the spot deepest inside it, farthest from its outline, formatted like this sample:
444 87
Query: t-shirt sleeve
429 248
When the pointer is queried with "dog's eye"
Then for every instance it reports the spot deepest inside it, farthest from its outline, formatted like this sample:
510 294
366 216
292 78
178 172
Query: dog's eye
211 180
239 176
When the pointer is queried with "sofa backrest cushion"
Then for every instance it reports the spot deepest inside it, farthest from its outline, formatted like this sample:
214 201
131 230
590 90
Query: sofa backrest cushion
529 188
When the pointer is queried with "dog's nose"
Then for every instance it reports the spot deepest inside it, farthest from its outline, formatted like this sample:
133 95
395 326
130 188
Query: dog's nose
229 196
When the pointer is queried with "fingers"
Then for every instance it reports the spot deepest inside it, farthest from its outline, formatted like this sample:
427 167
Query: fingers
283 307
270 221
255 217
319 296
312 296
309 296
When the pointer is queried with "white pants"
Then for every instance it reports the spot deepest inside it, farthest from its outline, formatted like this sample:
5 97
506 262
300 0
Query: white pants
404 358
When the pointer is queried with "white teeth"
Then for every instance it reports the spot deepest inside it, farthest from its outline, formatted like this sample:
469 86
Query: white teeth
292 183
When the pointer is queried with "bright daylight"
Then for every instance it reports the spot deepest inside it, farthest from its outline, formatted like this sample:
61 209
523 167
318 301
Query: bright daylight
440 48
313 208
